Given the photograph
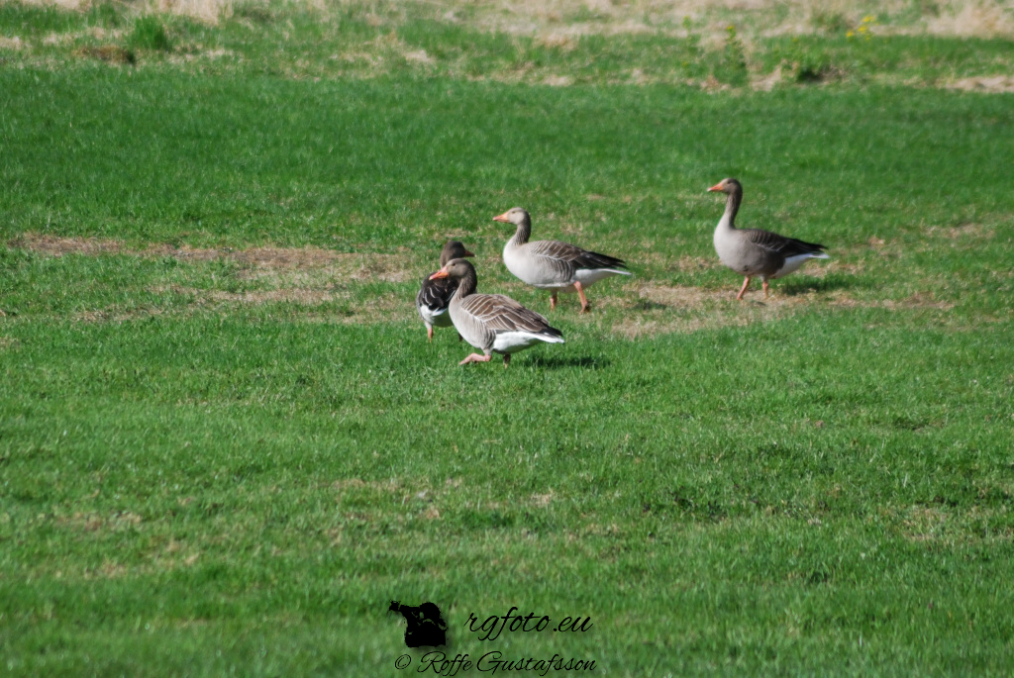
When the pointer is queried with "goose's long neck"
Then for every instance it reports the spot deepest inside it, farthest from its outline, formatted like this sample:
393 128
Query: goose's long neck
466 285
523 233
731 207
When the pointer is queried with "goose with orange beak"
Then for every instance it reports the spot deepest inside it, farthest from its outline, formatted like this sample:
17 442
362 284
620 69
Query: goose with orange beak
752 252
492 323
435 295
553 265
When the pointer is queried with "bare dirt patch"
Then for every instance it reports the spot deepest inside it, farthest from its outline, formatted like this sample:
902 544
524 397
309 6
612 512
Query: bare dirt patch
574 18
543 500
996 84
350 309
260 261
306 276
969 18
969 231
668 310
14 43
56 246
682 297
208 11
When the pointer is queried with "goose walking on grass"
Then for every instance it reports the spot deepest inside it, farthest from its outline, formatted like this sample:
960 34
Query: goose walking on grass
435 295
553 265
492 323
752 252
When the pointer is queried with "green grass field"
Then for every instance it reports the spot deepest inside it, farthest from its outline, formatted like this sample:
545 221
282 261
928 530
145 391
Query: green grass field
226 445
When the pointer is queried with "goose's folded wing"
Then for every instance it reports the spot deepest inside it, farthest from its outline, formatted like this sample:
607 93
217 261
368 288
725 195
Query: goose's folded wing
565 257
780 244
499 313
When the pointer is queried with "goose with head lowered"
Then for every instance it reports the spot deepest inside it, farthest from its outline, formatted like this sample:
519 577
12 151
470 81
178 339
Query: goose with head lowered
492 323
752 252
435 295
553 265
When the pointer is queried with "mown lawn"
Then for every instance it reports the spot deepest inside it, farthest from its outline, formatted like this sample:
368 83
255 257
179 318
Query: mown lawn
226 446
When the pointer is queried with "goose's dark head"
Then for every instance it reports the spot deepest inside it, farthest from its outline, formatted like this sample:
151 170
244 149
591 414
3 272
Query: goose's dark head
453 249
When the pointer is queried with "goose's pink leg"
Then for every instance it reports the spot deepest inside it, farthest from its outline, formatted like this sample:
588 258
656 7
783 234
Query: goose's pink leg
584 299
476 358
506 360
765 288
552 300
746 283
429 332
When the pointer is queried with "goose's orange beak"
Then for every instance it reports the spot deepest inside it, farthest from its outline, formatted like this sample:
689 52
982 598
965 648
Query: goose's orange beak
716 187
502 217
442 273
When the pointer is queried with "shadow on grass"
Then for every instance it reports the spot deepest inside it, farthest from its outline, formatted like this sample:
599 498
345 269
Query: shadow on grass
648 305
805 285
556 362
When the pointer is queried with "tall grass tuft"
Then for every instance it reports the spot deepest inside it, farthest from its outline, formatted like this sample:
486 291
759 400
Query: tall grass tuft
149 33
732 67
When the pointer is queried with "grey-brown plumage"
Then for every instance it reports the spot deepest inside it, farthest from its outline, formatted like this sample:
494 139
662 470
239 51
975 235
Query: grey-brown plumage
551 264
435 295
493 323
751 251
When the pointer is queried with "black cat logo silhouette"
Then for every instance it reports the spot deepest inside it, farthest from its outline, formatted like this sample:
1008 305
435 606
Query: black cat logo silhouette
425 625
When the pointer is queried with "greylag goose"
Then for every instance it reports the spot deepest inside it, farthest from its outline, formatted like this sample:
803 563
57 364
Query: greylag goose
492 323
751 251
435 295
553 265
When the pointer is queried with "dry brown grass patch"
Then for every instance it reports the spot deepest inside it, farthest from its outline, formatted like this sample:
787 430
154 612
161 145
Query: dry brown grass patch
996 84
55 246
94 522
543 500
109 53
556 23
261 262
970 231
694 298
925 523
207 11
385 307
15 43
973 18
917 300
358 484
689 309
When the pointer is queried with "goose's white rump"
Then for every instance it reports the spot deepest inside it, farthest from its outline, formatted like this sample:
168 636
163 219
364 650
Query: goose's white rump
514 341
793 264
